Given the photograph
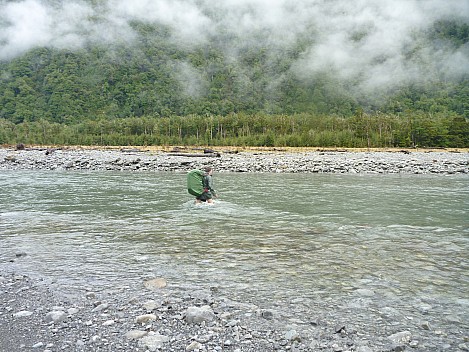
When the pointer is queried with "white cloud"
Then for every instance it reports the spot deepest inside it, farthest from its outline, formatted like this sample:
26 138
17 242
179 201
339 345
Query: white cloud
29 25
361 39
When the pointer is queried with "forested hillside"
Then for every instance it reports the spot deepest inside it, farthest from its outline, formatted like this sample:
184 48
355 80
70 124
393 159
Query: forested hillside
217 88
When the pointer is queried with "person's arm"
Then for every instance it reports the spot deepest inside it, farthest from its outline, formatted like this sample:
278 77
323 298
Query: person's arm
210 185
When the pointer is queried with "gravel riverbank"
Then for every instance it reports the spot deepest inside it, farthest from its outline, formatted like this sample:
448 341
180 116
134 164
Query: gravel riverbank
418 162
153 316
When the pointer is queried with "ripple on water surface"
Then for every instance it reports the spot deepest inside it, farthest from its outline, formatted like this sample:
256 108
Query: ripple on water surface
269 237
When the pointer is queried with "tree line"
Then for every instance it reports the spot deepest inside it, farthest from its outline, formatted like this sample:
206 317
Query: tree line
298 130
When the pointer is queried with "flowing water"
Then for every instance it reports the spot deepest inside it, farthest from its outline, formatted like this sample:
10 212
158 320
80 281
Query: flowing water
269 238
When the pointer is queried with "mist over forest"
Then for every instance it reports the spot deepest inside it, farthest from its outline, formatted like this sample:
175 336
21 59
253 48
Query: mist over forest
69 61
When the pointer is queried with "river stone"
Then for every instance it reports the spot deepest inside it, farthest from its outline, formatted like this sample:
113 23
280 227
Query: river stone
55 316
401 337
155 284
109 322
267 314
292 335
142 319
73 311
22 314
135 334
100 307
197 315
364 349
194 345
425 325
150 305
153 341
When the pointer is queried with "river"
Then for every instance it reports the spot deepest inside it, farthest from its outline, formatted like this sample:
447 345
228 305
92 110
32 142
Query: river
271 239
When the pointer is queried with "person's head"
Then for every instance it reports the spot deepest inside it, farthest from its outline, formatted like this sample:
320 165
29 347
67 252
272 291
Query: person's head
208 170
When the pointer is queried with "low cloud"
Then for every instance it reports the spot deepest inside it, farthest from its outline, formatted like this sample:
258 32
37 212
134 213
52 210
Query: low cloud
374 44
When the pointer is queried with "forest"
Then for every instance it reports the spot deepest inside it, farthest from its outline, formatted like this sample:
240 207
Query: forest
155 91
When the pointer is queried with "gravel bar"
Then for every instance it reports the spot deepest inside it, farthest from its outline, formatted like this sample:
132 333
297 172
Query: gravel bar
36 315
404 162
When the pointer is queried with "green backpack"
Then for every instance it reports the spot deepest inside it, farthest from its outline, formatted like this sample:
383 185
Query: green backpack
195 182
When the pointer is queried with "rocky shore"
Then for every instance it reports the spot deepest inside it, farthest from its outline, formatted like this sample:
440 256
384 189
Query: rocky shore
153 316
406 162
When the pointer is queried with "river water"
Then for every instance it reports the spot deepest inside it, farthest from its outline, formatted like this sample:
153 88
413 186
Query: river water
270 238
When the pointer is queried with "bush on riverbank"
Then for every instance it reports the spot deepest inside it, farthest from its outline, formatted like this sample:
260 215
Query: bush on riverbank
298 130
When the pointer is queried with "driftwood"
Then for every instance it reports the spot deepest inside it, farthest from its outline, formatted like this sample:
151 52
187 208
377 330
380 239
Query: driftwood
217 155
130 150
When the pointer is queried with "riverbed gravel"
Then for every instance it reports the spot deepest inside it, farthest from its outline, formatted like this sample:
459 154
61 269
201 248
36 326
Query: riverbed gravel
404 161
38 316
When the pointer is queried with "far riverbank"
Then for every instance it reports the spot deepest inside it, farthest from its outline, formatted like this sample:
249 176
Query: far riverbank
259 160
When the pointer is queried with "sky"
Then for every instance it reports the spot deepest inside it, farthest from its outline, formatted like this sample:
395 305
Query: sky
365 40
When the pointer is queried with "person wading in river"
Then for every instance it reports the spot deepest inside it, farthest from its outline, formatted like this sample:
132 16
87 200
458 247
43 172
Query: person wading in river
208 193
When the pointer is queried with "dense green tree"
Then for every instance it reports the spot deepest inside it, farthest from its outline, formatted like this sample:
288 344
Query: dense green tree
156 91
